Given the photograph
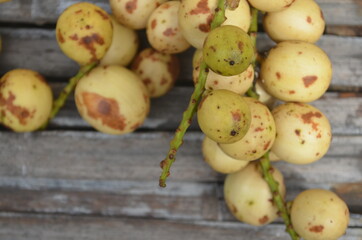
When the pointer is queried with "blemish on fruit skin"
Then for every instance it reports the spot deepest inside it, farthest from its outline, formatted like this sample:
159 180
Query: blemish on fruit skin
78 11
236 116
60 36
131 6
103 14
206 27
89 43
264 219
153 23
21 113
309 19
316 228
259 129
278 75
266 146
105 109
309 80
201 8
74 37
169 32
291 92
307 119
288 5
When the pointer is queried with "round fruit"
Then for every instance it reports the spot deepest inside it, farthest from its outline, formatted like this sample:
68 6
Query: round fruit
158 71
163 32
195 17
223 116
112 99
218 160
260 136
271 6
238 83
296 71
319 214
303 133
124 46
25 100
84 32
134 13
228 50
248 196
303 21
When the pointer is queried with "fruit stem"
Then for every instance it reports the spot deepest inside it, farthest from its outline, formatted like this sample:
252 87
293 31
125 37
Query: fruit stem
188 114
277 197
60 101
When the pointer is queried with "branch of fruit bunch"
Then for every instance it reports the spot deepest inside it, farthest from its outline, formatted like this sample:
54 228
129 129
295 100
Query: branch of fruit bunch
60 101
199 89
277 197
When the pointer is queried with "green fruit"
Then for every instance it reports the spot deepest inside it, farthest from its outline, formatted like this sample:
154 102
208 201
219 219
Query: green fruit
228 50
224 116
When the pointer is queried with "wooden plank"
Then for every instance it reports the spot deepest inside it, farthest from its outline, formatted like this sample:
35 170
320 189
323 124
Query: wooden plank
95 156
44 55
336 12
50 227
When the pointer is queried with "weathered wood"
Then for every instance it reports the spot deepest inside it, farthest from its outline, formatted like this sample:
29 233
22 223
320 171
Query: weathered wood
336 12
41 227
43 55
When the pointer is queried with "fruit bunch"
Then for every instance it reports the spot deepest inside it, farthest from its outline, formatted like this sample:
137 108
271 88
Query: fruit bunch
249 122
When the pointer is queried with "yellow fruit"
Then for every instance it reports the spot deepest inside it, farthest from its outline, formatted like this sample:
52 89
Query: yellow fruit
25 100
84 32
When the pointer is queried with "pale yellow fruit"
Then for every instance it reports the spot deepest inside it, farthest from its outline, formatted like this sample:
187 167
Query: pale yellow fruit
158 71
134 13
218 160
163 32
84 32
239 83
25 100
271 6
248 197
303 21
223 116
296 71
260 136
319 214
303 133
112 99
124 45
195 18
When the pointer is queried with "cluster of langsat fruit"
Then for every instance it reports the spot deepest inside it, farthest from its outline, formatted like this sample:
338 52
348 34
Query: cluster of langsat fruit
240 130
116 81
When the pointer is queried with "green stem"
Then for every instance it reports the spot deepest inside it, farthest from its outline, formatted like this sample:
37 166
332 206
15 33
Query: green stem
177 140
277 197
60 101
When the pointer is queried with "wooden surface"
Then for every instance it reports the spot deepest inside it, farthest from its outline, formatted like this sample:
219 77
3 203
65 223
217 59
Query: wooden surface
71 182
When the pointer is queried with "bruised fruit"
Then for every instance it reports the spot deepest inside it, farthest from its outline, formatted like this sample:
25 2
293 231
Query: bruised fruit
248 197
319 214
163 32
260 136
223 116
134 13
303 133
124 45
112 99
228 50
158 71
218 160
25 100
84 32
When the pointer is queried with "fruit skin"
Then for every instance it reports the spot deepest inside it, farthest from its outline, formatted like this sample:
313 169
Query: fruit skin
271 6
228 50
248 197
319 214
134 13
124 45
25 100
218 160
163 32
112 99
303 133
260 136
302 21
223 116
84 32
158 71
296 71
